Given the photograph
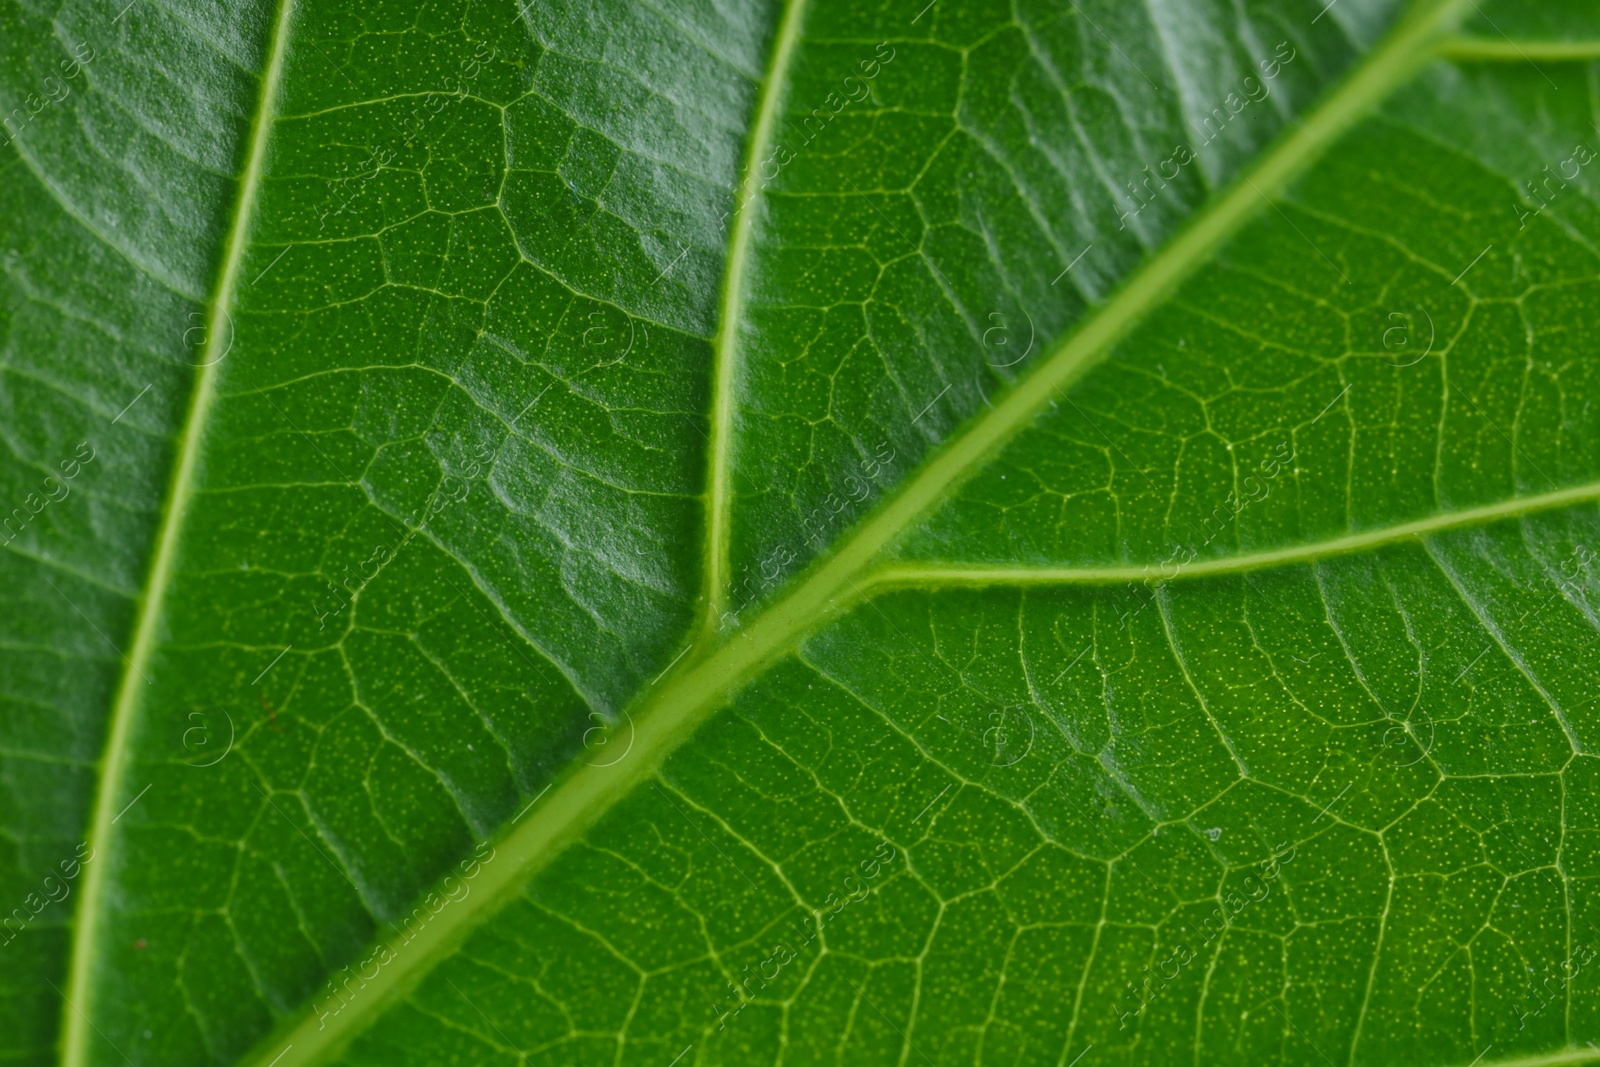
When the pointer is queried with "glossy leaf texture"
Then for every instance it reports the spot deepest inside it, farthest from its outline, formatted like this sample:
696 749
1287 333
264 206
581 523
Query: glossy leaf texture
800 533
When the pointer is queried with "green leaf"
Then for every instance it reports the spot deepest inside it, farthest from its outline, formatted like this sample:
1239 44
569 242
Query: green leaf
583 532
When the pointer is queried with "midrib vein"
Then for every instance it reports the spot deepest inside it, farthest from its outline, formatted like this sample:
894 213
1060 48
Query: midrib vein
939 575
680 701
725 351
78 1029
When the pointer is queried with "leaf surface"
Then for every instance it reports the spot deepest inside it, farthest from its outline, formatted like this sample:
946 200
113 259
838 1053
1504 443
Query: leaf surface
656 534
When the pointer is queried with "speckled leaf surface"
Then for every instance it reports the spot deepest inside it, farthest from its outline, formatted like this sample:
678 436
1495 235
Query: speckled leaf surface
800 532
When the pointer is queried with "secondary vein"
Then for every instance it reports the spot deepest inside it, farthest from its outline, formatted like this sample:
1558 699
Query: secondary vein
719 503
948 576
1486 50
1560 1058
77 1029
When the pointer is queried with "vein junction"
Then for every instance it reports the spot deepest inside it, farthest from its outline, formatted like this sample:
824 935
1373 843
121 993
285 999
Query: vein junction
946 709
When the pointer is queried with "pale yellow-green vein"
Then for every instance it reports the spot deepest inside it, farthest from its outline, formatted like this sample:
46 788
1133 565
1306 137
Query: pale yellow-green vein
1506 50
725 354
79 1034
938 575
